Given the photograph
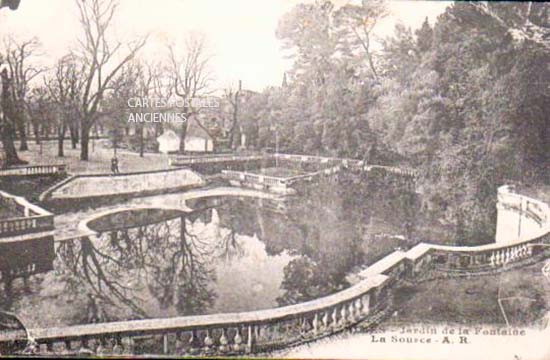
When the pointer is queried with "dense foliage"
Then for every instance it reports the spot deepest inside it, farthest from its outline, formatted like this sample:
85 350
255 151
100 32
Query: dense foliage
466 100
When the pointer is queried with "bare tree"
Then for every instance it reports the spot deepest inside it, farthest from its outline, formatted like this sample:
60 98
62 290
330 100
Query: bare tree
102 60
233 97
7 131
64 88
19 56
190 78
147 82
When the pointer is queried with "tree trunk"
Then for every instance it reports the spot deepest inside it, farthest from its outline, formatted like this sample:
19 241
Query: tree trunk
183 134
141 141
73 130
9 147
84 141
36 130
23 146
60 138
7 132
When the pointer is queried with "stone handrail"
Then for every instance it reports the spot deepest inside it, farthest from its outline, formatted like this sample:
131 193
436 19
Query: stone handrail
237 333
105 184
28 218
183 161
34 170
258 178
353 163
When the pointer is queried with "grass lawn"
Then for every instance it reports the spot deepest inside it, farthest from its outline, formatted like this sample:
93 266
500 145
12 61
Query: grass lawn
100 158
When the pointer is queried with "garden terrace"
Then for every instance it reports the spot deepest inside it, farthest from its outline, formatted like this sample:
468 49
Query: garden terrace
22 217
264 330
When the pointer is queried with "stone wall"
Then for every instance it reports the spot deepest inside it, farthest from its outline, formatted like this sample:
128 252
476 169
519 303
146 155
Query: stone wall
140 183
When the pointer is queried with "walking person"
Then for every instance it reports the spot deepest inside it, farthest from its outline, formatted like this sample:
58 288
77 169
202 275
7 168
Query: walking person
114 165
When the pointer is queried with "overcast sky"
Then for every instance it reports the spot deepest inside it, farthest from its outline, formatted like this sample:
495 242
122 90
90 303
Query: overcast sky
240 33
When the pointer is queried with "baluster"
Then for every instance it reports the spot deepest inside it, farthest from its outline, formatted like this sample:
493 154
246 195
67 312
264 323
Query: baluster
223 342
165 344
249 340
102 347
351 312
118 349
316 324
84 348
343 314
128 343
67 347
258 330
208 342
335 317
194 343
306 326
237 340
359 307
325 320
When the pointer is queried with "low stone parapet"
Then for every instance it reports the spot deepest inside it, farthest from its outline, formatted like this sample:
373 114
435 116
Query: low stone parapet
134 184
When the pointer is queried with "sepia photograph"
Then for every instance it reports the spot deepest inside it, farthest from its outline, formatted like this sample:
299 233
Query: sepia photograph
275 179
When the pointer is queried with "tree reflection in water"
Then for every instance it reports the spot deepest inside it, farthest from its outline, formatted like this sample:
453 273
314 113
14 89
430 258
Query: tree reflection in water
264 252
122 266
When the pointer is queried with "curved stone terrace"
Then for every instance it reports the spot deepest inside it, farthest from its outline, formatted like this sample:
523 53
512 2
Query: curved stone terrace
265 330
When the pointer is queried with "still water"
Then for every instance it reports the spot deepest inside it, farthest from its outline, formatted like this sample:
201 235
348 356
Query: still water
230 254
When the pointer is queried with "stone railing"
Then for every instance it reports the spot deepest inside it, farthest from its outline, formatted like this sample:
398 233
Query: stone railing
323 162
34 170
206 159
519 217
256 181
281 185
264 330
327 166
129 184
28 218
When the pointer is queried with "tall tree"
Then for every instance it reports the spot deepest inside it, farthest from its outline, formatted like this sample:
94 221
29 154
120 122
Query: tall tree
64 88
355 24
19 58
190 78
102 59
7 131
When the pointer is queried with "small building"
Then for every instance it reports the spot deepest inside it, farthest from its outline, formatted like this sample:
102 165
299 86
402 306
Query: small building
168 142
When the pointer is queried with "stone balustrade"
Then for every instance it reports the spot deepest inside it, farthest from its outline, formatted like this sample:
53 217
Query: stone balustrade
129 184
265 330
208 159
28 218
323 162
34 170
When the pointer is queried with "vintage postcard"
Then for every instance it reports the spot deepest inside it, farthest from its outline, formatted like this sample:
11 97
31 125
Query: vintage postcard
286 179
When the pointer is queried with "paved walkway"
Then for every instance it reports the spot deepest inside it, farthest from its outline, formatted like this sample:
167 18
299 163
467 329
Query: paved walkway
100 158
66 224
